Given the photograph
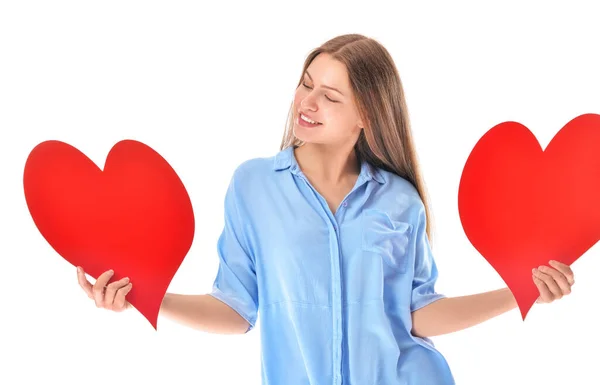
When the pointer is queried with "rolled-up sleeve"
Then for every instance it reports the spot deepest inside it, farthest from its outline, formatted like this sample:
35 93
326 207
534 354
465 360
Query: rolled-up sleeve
236 283
425 269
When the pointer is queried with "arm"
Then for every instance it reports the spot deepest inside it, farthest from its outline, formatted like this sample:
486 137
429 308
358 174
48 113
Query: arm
435 314
448 315
204 313
232 306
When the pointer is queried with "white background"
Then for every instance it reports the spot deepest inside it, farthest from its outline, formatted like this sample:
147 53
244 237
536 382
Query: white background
209 87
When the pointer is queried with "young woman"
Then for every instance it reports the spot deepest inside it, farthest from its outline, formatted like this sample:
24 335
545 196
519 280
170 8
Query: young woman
329 240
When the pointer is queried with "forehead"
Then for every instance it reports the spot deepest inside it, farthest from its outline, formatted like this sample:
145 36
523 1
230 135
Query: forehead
331 72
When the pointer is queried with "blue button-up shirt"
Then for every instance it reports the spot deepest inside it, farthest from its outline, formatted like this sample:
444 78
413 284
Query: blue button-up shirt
334 292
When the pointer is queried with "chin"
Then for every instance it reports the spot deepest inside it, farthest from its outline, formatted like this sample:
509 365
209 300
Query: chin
299 132
304 136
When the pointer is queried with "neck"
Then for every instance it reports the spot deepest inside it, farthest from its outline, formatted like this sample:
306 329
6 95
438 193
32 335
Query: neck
328 164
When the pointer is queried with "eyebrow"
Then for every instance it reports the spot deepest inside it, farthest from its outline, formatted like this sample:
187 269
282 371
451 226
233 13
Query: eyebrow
324 86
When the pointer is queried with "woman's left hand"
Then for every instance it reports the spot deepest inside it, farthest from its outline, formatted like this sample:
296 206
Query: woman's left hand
553 282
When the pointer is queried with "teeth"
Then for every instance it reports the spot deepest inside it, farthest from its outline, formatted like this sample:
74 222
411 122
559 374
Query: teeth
307 119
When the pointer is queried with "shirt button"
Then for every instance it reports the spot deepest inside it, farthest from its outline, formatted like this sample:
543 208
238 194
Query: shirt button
345 203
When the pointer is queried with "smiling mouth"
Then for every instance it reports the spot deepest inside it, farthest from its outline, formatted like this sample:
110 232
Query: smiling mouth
306 123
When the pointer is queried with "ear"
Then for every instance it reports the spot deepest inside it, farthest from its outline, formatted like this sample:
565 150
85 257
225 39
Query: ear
360 122
361 125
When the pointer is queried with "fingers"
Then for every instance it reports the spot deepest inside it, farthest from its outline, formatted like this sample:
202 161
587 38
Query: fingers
562 285
111 296
553 282
565 269
120 302
84 283
545 293
551 285
98 288
111 291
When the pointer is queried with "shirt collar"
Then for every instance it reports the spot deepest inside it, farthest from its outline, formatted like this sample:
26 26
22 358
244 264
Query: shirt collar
286 159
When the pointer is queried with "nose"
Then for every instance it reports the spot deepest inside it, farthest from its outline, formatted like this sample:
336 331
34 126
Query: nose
308 103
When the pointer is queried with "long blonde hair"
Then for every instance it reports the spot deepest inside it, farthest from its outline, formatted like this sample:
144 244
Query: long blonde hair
386 140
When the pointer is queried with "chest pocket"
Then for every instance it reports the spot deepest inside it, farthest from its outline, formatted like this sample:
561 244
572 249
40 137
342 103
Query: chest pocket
385 238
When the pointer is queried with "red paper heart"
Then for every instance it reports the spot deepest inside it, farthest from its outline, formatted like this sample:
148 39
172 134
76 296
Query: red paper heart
521 206
135 217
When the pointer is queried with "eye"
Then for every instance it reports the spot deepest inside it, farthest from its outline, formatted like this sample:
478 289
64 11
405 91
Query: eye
327 97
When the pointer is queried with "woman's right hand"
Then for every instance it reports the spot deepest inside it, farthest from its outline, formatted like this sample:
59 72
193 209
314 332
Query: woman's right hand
111 296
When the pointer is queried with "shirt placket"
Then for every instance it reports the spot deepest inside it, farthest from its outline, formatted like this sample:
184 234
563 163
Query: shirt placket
336 278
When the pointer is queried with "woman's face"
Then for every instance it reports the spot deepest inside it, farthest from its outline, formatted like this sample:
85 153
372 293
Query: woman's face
333 109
